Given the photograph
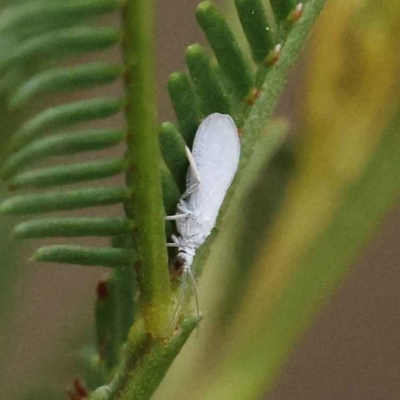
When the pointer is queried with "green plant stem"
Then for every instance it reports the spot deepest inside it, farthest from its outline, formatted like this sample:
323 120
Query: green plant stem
144 165
146 361
156 363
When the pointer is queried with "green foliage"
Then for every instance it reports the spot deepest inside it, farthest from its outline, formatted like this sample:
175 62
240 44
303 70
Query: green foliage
63 200
67 174
227 51
72 227
62 116
107 256
205 80
43 35
64 79
282 9
60 145
135 302
61 43
64 30
172 147
256 28
185 105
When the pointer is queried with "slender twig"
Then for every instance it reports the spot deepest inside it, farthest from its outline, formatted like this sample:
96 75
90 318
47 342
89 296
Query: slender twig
144 160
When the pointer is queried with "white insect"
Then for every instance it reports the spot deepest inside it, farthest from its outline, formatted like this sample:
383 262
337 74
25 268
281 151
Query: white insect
212 166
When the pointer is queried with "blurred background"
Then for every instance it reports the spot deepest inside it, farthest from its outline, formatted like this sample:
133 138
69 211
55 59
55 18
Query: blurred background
351 352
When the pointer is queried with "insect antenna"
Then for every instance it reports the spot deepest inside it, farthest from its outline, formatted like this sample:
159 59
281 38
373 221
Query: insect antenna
194 286
181 294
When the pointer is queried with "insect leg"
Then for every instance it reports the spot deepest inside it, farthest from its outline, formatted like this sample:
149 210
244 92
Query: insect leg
194 180
194 286
184 212
175 241
176 216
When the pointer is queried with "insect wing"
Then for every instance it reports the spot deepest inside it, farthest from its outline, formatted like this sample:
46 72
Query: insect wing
216 152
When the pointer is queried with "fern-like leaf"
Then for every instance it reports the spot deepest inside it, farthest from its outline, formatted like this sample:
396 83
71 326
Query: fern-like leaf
43 36
28 145
224 82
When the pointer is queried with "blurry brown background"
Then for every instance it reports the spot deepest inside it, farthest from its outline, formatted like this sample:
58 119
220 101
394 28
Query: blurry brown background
351 352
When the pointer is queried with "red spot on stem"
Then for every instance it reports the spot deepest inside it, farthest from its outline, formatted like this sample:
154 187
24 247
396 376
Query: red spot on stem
138 267
253 96
129 136
273 56
126 75
12 187
102 290
296 14
80 388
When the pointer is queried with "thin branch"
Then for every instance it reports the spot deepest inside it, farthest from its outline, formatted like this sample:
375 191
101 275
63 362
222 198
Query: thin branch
144 165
